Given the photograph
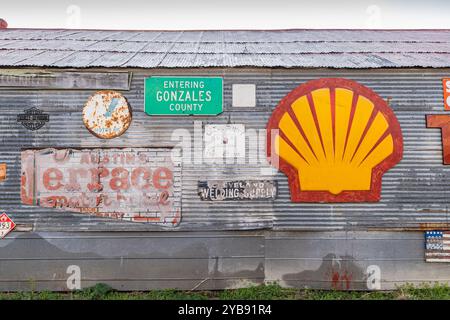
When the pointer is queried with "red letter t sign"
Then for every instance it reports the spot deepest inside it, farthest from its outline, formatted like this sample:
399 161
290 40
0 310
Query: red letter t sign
442 121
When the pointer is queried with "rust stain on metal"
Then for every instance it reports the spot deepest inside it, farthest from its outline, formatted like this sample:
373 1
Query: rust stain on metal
433 210
140 185
341 281
107 114
425 227
2 171
433 226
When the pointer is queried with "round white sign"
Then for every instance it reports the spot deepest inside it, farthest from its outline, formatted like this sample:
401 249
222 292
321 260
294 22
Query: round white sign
107 114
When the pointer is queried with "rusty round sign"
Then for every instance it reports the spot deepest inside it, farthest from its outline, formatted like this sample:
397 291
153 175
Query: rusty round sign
107 114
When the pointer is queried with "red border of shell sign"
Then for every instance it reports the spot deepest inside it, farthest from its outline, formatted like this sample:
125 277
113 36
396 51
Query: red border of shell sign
334 139
107 114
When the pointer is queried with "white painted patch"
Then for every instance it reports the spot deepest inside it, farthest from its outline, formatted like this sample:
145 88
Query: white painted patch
224 140
244 95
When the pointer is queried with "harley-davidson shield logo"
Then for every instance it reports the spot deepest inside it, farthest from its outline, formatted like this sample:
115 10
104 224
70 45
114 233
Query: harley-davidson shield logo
33 119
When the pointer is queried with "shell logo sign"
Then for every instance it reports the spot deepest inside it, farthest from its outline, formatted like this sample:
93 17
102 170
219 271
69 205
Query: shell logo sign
334 139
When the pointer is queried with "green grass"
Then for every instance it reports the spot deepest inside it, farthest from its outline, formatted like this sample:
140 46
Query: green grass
263 292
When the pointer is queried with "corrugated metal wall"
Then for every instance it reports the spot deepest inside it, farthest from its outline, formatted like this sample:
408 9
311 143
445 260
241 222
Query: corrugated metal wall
413 197
414 194
215 260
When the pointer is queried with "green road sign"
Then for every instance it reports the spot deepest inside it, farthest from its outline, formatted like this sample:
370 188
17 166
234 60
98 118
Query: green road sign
183 95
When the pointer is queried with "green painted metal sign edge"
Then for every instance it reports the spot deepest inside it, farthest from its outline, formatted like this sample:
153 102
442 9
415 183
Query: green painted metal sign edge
182 96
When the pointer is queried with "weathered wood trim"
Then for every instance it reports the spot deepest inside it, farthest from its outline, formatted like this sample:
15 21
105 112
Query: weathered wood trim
73 80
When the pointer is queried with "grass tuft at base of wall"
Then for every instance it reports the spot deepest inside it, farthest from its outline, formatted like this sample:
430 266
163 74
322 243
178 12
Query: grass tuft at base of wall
262 292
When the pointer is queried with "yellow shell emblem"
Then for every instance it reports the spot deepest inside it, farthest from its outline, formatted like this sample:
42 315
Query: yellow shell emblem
334 139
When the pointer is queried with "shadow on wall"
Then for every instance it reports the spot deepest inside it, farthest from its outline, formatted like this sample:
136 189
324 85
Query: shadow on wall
338 273
32 262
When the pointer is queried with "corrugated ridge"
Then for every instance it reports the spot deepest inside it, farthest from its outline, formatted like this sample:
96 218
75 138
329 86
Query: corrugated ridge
185 49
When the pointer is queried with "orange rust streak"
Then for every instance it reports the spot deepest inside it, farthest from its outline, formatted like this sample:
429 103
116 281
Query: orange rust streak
23 188
433 226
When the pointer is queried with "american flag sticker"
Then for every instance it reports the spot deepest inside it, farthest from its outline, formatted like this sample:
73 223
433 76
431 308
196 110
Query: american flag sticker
437 246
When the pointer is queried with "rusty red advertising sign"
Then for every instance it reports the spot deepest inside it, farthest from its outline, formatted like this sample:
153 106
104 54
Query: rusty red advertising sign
139 184
6 225
446 87
2 171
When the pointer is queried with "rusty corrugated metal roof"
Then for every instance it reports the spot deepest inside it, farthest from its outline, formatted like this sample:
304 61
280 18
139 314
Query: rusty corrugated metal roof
186 49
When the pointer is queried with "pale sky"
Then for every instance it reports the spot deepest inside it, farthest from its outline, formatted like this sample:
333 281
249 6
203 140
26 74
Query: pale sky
226 14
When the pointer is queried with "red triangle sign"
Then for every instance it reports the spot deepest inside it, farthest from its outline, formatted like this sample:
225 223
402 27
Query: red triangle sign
6 225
